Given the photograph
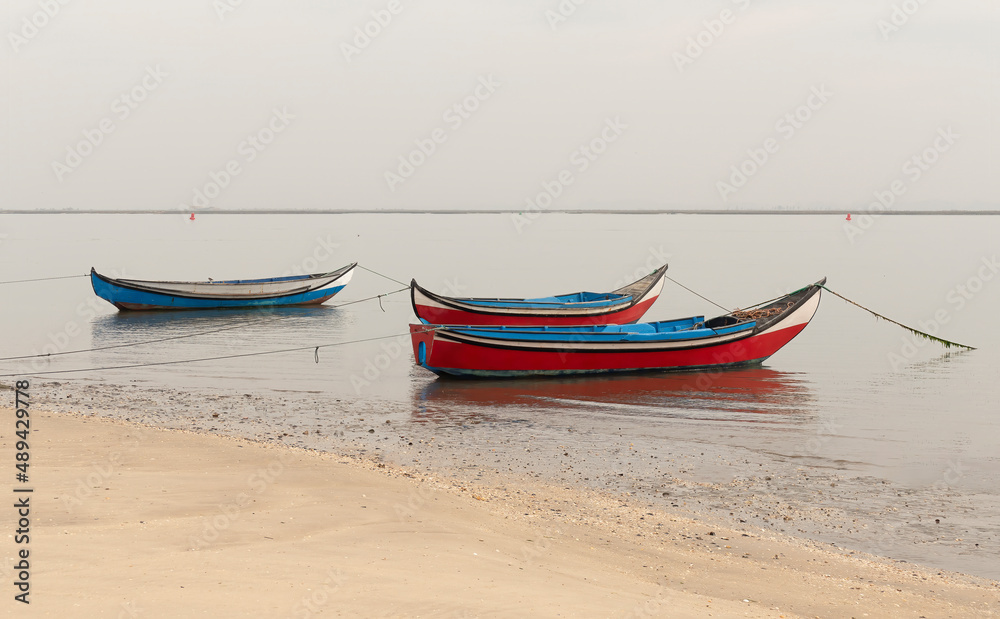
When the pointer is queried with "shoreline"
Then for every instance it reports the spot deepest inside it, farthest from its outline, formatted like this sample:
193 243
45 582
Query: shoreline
254 526
849 510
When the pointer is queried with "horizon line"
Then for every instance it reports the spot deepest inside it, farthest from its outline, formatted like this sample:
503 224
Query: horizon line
762 211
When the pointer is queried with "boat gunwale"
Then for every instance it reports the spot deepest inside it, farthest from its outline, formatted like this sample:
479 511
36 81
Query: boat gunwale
557 309
447 332
332 275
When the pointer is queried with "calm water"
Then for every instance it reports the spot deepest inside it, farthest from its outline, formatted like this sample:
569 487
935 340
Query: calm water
850 418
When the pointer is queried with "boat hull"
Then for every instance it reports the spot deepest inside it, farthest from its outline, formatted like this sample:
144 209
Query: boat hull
627 314
624 306
129 297
451 353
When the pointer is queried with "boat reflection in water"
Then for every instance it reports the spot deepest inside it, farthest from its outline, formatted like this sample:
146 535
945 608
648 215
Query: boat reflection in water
756 395
209 333
125 327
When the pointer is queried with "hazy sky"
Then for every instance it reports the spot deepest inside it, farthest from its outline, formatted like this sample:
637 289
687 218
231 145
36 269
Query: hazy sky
624 103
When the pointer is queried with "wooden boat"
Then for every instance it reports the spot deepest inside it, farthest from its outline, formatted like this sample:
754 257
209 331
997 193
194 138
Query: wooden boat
740 338
624 305
135 294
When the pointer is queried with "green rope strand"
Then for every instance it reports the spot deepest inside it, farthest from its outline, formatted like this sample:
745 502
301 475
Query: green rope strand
928 336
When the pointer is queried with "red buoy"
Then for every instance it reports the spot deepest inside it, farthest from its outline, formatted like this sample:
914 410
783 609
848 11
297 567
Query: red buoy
192 216
848 217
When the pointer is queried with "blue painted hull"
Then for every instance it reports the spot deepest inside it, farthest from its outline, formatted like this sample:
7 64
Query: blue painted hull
126 297
461 373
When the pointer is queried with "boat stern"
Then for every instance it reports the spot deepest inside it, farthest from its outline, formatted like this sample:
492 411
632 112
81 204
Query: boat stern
422 337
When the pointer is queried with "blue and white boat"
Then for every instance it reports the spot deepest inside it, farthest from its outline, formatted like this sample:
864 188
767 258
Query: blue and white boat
135 294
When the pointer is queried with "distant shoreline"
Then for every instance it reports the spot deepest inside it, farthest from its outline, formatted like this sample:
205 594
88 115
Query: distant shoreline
858 213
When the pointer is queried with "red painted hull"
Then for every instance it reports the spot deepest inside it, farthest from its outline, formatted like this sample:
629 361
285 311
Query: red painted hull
484 359
472 352
625 305
444 316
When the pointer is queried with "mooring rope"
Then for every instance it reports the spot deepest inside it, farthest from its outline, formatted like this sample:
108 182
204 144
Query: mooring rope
943 342
198 334
315 348
378 296
45 279
725 309
42 279
128 344
391 279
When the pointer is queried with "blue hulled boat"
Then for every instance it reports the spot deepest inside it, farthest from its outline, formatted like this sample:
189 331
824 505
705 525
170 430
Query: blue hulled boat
135 294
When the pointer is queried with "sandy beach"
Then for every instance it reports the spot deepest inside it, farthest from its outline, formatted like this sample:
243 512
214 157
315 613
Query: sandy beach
133 521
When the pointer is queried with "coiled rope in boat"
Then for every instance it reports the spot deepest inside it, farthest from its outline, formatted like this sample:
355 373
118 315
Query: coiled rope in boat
757 314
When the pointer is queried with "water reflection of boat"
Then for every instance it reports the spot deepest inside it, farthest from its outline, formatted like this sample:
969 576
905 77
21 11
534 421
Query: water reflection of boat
217 332
752 395
122 324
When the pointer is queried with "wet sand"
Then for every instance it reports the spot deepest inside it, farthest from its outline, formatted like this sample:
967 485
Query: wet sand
486 443
130 520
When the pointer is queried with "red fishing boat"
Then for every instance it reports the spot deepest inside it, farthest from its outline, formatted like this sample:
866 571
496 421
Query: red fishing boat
739 338
624 305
